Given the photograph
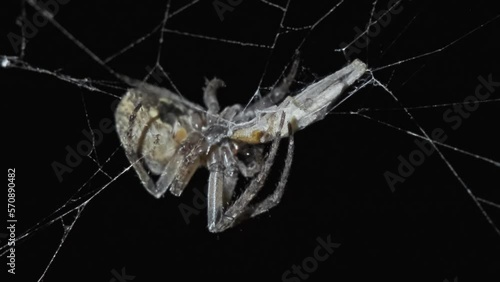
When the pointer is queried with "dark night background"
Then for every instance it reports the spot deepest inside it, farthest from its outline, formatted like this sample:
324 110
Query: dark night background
429 229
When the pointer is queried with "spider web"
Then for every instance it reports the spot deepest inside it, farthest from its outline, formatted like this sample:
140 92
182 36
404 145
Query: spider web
420 67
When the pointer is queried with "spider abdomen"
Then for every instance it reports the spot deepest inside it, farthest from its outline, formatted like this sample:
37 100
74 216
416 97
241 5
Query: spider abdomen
152 128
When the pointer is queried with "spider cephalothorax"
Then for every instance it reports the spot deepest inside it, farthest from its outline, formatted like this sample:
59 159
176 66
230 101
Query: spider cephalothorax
170 137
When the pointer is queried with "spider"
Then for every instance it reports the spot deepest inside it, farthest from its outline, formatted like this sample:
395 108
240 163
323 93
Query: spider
167 138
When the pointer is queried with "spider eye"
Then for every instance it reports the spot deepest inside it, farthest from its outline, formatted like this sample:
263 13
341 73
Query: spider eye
243 153
249 155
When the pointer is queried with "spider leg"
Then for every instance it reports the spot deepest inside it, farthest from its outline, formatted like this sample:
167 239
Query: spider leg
146 180
228 113
210 98
219 222
277 93
176 173
230 172
183 165
221 183
215 204
275 198
143 118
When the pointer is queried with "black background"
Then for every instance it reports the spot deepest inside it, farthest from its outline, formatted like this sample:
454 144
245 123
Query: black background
429 229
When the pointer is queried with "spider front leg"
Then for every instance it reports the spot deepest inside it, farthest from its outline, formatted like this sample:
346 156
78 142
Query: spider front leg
219 220
221 182
215 204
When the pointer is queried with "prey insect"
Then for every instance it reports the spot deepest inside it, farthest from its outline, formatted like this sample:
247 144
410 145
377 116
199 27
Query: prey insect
167 138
